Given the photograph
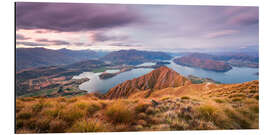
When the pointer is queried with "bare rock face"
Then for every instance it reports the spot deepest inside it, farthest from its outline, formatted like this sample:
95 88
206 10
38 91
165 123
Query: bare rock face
159 78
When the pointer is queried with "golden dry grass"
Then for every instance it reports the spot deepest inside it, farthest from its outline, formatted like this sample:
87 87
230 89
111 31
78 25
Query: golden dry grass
231 107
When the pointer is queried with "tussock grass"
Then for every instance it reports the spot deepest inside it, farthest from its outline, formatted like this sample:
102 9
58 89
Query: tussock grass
57 126
118 112
238 118
141 107
92 108
185 98
90 125
219 100
71 114
231 110
207 112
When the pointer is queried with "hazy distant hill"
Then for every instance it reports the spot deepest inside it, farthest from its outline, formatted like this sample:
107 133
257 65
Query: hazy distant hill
38 57
204 63
134 57
219 62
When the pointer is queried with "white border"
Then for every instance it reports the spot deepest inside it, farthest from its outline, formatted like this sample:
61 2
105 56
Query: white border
7 61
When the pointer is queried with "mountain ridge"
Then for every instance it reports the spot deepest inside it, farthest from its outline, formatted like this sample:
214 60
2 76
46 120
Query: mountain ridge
159 78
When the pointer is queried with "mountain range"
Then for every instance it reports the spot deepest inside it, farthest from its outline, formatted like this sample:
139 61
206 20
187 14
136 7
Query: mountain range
135 57
218 62
40 57
161 100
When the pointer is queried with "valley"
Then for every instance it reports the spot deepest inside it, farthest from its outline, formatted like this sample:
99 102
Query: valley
141 93
45 81
120 67
161 100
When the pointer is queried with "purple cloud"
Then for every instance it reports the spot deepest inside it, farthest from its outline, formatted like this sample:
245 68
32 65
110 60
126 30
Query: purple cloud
102 37
69 17
21 37
31 44
79 43
242 16
53 42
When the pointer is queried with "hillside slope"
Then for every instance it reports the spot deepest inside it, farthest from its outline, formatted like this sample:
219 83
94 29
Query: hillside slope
159 78
204 106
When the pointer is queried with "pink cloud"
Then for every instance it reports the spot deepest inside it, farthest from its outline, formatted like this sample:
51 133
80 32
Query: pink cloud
220 33
243 19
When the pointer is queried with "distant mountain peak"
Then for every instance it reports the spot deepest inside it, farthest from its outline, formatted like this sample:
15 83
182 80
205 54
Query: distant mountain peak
159 78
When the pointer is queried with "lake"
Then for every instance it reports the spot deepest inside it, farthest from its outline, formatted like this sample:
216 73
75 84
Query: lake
235 75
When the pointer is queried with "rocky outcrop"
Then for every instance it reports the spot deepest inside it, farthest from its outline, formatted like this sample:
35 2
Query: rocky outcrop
159 78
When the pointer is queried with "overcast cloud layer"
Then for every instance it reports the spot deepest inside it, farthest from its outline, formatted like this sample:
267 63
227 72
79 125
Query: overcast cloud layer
150 27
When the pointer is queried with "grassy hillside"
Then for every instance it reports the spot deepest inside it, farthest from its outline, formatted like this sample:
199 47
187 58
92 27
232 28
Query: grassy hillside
193 107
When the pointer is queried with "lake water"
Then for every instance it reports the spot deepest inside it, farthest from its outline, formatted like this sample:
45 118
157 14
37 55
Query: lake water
97 84
235 75
146 64
112 71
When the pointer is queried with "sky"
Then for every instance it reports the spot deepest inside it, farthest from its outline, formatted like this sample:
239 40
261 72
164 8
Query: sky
173 28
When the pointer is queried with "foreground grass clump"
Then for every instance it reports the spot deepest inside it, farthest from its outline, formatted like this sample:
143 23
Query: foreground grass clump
119 113
93 114
208 112
89 125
